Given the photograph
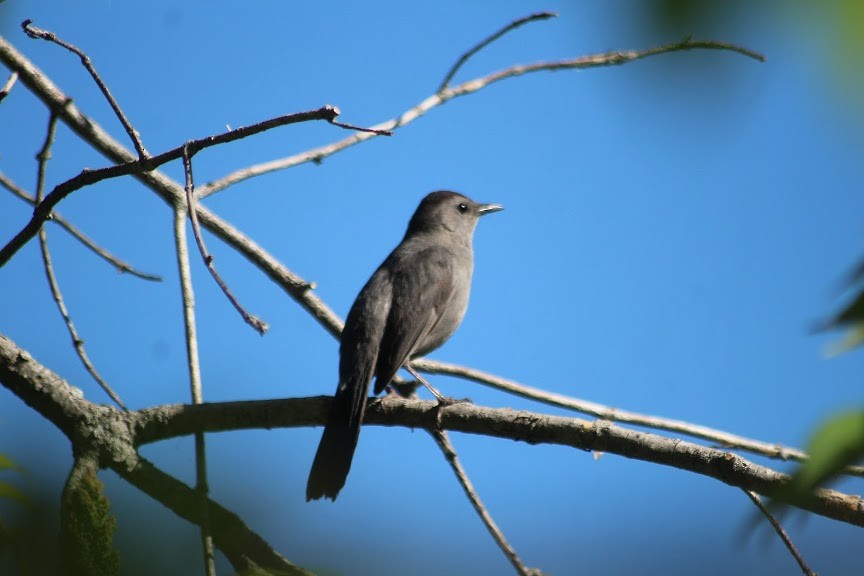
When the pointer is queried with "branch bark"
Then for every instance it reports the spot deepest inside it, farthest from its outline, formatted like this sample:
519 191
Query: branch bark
119 434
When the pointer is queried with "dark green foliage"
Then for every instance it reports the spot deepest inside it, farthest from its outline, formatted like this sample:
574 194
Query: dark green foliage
836 444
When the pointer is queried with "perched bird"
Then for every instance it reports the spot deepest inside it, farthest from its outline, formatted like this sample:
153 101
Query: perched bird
411 305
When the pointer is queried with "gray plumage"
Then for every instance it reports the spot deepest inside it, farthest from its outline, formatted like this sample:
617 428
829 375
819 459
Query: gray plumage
411 305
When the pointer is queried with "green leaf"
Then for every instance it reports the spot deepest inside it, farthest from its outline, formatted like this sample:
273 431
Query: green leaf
7 464
836 444
853 338
9 491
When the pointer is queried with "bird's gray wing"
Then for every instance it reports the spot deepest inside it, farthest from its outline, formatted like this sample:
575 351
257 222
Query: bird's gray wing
420 295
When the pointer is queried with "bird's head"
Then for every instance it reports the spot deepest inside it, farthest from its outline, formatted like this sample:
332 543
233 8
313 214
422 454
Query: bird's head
451 211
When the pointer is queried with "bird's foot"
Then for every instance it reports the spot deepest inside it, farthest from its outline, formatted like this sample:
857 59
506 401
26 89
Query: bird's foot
445 401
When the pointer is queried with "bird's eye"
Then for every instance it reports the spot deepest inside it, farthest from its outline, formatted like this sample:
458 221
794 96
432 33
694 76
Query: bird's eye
463 207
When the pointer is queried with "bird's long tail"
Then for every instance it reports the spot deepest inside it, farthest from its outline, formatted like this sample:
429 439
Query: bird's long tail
336 450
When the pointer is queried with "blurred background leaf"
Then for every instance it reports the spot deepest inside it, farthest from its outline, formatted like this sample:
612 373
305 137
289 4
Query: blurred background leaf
836 444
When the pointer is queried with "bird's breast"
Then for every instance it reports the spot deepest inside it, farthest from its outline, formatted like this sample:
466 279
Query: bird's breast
453 311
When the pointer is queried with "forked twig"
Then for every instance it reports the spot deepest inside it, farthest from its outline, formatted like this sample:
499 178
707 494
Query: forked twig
780 532
443 442
259 325
511 26
42 158
120 265
612 58
34 32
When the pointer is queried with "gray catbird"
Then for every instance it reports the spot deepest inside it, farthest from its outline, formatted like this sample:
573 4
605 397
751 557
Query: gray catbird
411 305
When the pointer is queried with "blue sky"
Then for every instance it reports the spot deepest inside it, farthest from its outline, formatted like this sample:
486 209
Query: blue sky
674 227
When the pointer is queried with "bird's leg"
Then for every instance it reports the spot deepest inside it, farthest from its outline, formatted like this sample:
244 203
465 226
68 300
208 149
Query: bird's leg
442 400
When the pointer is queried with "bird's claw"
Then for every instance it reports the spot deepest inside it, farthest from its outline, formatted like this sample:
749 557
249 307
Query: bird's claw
445 401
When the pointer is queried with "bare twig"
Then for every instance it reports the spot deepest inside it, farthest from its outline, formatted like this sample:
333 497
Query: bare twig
34 32
43 156
443 442
780 532
136 167
120 265
259 325
194 365
511 26
7 87
375 131
612 58
722 438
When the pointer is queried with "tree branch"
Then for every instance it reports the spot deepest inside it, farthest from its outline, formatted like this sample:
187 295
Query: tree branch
77 343
7 87
88 177
192 206
120 265
245 549
446 447
36 33
65 406
612 58
511 26
780 532
726 439
194 371
109 432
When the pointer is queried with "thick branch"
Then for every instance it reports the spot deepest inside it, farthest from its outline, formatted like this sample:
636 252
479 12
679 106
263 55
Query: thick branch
52 397
108 431
726 439
244 548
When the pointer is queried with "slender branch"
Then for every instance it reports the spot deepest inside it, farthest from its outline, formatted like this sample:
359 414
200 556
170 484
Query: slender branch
443 442
511 26
88 177
613 58
194 366
7 87
259 325
120 265
725 439
42 157
36 33
780 532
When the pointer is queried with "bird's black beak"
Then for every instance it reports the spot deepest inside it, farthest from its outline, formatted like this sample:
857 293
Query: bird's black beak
484 209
